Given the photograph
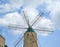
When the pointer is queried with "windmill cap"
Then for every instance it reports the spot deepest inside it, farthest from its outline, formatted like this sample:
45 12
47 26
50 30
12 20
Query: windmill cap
30 29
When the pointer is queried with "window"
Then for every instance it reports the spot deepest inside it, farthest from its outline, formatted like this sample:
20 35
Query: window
28 34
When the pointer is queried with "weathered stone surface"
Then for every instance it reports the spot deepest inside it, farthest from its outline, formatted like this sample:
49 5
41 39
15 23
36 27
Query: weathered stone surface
2 41
30 39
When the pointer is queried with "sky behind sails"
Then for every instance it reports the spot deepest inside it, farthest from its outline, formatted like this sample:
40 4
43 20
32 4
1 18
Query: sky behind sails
11 13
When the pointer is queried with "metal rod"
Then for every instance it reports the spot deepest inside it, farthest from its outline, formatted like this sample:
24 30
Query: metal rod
19 41
37 19
43 28
34 19
13 27
46 30
27 21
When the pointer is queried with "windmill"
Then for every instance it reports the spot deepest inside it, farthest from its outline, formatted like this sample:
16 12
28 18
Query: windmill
30 37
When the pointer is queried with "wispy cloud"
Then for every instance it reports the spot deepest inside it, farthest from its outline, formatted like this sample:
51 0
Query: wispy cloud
54 7
15 18
11 6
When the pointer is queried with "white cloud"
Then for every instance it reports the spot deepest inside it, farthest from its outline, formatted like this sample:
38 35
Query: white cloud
15 18
31 13
29 8
32 3
35 3
2 21
17 32
43 33
54 7
44 23
13 5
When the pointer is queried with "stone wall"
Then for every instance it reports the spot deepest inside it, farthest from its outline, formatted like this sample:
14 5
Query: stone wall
2 41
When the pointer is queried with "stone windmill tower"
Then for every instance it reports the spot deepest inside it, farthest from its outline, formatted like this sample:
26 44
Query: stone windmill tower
30 36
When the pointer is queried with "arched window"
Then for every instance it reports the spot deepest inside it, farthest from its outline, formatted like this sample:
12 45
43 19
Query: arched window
28 34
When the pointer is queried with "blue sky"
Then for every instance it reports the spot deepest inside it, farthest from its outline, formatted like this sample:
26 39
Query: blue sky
11 13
